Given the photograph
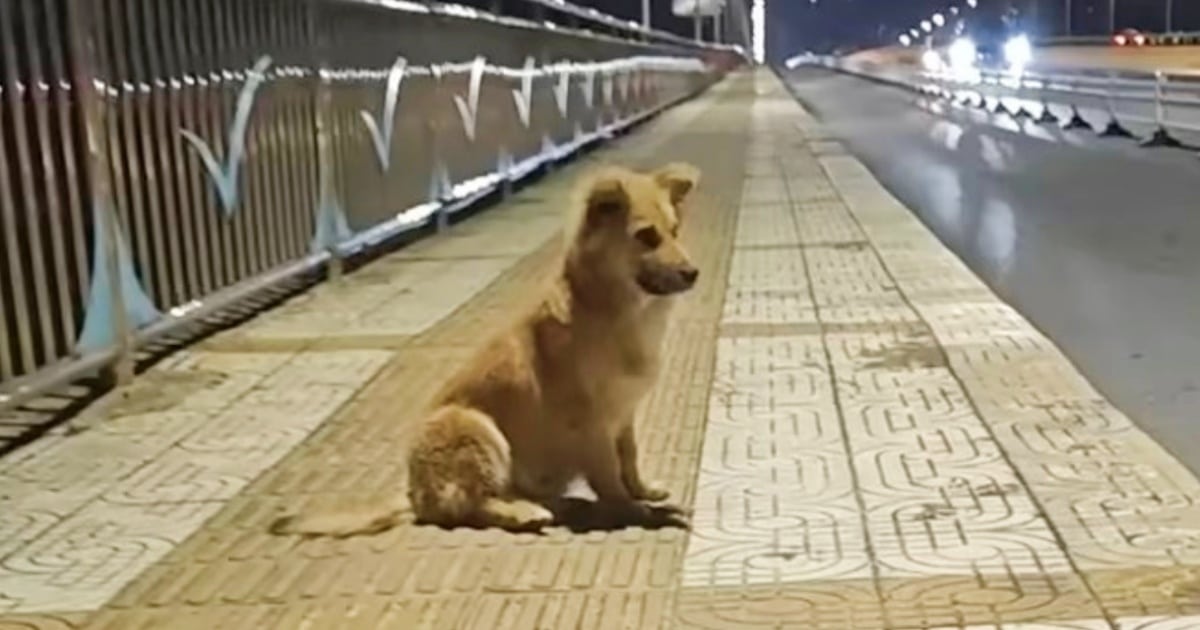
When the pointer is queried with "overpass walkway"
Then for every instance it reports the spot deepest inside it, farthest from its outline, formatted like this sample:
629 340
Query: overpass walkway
868 436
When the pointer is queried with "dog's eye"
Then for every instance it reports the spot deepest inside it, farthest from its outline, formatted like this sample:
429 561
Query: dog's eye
649 237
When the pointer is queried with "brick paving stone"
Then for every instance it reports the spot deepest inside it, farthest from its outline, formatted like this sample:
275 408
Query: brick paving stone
868 437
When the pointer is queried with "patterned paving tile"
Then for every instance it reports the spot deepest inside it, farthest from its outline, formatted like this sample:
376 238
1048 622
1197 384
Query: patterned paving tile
869 438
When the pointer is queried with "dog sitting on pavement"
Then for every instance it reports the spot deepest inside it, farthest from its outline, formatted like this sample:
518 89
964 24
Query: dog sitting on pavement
553 398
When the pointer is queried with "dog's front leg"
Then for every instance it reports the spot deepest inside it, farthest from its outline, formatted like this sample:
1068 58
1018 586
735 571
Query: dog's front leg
632 478
603 470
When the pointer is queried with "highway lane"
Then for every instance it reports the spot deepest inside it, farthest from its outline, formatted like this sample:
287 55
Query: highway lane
1136 58
1096 241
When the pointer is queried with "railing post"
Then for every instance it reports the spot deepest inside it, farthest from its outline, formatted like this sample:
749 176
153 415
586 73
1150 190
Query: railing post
1114 128
1161 137
1020 89
93 107
326 182
433 138
1159 114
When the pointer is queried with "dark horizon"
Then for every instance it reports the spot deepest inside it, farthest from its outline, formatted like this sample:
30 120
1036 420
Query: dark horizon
794 26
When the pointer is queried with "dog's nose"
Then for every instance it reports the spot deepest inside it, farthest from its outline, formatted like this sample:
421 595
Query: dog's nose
689 275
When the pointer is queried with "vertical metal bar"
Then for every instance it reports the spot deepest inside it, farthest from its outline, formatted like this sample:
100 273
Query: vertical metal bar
270 151
1170 16
1159 105
53 214
252 207
236 59
1112 16
696 20
26 190
155 269
128 121
303 123
169 74
93 109
324 98
75 210
1067 11
645 14
266 162
287 138
212 37
166 218
10 224
195 90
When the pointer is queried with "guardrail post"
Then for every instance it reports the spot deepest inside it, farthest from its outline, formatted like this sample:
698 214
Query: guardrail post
1021 112
1114 128
439 177
93 106
1077 121
1161 137
1047 117
326 228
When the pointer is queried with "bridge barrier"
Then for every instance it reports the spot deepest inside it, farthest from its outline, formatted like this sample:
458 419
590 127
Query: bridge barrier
1165 101
162 160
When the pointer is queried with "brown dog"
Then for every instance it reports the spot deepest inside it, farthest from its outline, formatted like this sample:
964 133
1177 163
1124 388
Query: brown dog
554 397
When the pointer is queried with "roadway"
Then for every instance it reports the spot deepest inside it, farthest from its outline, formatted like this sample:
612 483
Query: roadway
1095 241
1142 58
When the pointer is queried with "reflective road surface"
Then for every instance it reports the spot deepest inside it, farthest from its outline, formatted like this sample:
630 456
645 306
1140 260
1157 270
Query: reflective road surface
1096 241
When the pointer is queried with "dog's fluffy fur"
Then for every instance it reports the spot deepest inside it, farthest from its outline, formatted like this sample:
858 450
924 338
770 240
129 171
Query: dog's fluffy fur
553 398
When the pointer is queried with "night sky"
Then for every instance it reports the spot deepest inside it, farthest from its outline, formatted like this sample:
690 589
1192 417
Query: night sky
794 26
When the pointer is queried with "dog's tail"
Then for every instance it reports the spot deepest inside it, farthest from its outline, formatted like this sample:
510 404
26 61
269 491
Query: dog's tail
364 520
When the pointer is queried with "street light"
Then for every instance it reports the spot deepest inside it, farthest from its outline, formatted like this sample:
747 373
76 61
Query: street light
939 19
926 26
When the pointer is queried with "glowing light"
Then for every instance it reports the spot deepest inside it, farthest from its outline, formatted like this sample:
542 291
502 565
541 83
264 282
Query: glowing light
905 40
758 14
939 19
926 26
962 54
972 3
1018 52
931 61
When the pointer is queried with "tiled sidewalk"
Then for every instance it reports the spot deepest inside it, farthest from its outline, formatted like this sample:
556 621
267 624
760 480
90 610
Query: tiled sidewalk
869 438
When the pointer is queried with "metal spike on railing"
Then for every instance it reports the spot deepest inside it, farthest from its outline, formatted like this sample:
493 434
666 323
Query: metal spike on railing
1077 121
1047 117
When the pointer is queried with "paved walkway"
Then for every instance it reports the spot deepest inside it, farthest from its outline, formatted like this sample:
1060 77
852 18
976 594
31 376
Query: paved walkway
869 438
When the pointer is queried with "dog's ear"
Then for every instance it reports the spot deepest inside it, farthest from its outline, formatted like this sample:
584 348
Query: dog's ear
607 197
678 179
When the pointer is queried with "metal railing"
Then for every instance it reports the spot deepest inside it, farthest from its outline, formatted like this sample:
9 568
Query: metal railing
1165 102
160 159
1181 38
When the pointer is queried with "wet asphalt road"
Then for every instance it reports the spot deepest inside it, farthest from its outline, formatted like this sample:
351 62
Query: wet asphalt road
1097 242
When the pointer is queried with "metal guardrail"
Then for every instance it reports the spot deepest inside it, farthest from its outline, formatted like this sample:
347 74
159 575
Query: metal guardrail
160 159
1165 101
1189 38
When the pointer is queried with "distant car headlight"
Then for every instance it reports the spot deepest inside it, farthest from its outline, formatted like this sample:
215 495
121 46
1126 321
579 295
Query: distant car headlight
963 53
931 61
1018 52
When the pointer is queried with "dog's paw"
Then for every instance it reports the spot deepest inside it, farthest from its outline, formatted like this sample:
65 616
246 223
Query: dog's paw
531 517
653 494
666 515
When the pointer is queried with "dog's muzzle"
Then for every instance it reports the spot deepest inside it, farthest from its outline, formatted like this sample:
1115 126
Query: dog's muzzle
667 282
